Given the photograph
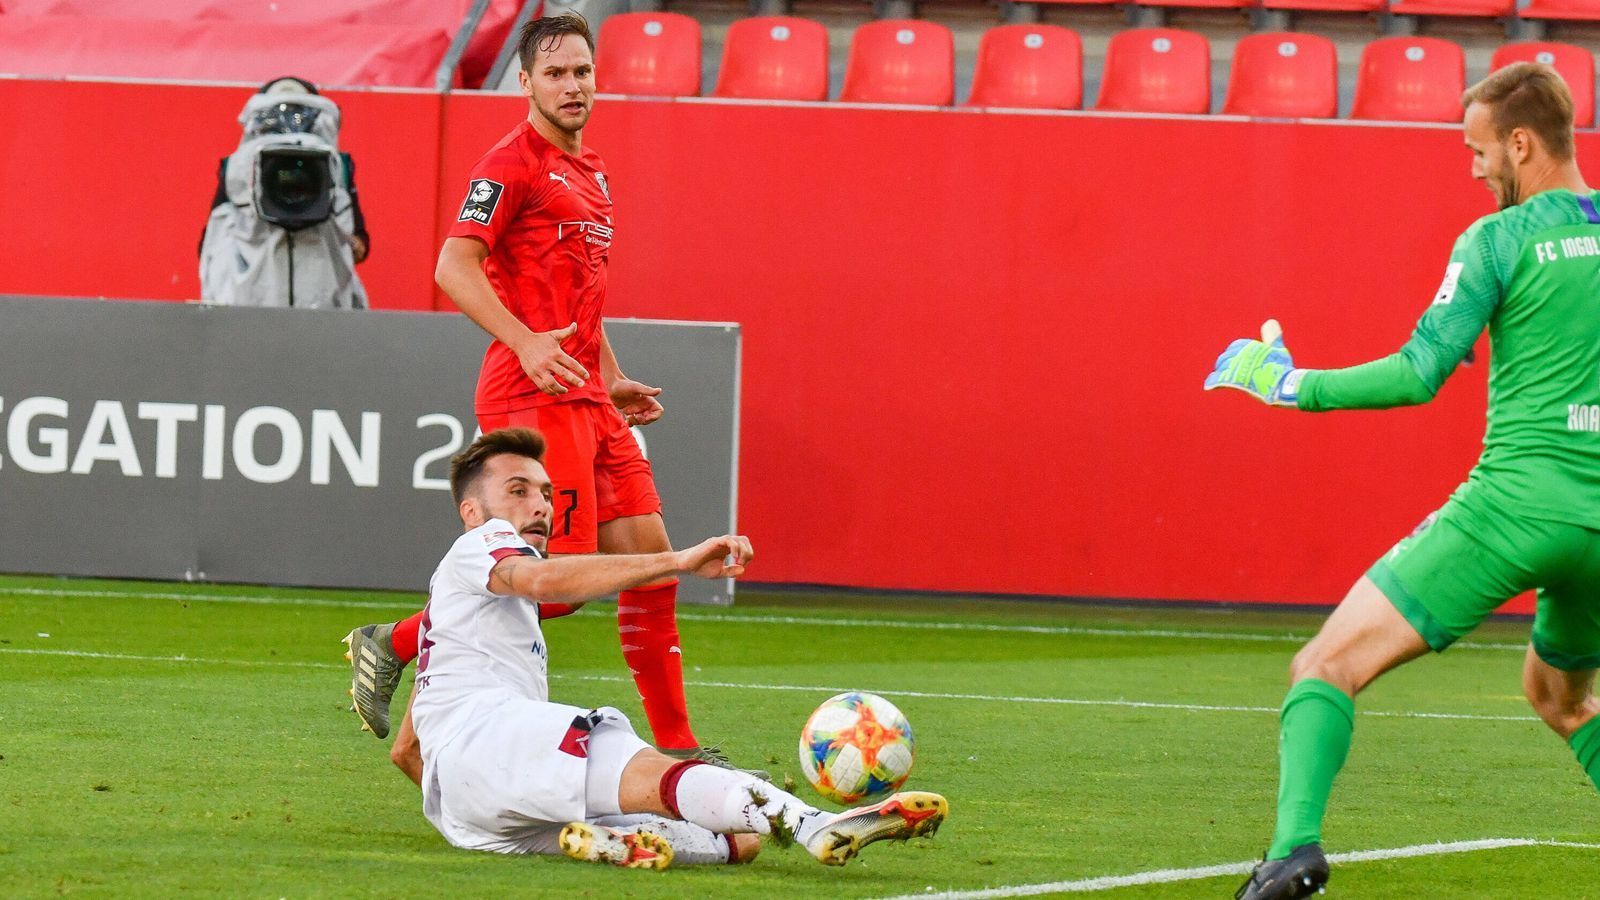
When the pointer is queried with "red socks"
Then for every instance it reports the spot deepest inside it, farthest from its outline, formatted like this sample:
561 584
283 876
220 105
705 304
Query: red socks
405 638
647 623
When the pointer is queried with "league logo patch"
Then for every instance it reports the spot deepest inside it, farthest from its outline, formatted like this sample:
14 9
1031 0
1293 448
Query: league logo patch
1447 288
482 198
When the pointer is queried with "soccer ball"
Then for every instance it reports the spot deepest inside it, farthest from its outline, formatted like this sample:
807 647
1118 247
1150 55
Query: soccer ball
856 745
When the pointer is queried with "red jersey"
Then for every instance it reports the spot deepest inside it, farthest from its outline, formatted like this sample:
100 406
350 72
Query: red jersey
546 217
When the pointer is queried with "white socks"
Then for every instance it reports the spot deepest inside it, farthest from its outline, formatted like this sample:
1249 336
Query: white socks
729 802
691 844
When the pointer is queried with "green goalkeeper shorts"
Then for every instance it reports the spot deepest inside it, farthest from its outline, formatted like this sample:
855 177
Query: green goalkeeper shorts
1470 557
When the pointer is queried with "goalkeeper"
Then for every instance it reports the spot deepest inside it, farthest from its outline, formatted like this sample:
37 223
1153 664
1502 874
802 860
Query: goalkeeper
1528 515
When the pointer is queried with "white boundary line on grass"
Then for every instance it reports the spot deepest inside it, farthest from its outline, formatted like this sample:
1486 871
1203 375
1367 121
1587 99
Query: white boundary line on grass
1166 876
737 619
212 598
796 688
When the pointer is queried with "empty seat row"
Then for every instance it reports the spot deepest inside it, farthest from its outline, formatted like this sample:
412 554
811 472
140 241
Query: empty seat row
1571 10
1166 70
341 41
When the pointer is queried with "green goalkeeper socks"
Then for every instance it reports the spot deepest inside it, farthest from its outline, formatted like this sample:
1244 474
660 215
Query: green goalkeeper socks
1313 740
1585 743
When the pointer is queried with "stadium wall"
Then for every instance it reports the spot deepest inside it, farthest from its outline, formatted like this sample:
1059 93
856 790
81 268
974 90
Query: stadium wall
974 342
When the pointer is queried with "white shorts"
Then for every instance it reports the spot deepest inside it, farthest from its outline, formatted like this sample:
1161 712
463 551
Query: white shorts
523 766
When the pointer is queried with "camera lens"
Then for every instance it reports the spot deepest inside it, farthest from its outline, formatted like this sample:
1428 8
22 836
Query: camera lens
296 187
293 185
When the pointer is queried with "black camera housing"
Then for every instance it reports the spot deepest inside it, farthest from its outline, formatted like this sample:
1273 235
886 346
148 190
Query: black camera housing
296 187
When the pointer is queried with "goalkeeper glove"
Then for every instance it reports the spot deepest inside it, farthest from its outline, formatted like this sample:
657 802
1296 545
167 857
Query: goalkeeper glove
1261 368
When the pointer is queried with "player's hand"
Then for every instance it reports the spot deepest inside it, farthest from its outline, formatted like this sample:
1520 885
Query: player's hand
1262 369
637 402
550 368
718 557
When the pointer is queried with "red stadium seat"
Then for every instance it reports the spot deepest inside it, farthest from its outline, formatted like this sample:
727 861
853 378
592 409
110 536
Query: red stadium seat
1581 10
446 15
1489 9
1157 70
1035 66
652 54
1286 75
774 58
1326 5
330 55
1575 64
901 61
1410 79
1201 4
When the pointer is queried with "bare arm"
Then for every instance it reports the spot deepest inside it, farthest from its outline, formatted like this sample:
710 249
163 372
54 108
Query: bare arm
566 579
459 274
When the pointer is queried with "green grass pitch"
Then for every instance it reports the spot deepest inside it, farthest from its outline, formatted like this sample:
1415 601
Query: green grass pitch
160 739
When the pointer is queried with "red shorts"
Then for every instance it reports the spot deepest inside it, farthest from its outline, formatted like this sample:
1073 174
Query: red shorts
595 467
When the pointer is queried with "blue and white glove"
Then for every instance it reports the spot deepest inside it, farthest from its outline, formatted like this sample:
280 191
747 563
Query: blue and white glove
1262 369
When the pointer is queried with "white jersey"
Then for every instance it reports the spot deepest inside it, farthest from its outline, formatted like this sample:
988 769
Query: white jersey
503 768
476 646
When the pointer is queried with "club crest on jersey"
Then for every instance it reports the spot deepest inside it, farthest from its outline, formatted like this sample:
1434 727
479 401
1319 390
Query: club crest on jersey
576 741
482 198
600 179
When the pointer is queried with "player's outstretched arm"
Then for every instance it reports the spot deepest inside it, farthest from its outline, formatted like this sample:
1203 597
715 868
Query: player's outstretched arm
1263 369
567 579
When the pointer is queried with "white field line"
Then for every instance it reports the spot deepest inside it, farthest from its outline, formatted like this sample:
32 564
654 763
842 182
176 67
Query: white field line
794 688
737 619
1165 876
90 654
399 603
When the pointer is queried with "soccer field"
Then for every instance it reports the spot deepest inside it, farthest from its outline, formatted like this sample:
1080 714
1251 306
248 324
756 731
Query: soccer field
160 738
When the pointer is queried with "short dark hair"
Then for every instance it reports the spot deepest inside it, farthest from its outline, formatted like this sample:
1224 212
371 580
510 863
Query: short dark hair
545 32
1527 95
466 466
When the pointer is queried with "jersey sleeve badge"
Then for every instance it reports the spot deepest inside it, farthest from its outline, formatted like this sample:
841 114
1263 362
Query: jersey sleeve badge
482 198
1447 288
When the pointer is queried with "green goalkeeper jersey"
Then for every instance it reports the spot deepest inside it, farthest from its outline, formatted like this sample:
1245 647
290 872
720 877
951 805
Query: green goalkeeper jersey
1531 274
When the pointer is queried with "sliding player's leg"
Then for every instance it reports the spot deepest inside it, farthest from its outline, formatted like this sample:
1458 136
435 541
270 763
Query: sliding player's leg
637 838
724 801
691 845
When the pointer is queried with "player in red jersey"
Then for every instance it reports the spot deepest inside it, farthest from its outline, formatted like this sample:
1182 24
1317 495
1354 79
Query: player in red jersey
526 260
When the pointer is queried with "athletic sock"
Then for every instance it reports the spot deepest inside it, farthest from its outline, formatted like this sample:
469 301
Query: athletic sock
1313 741
691 844
647 623
405 638
730 802
1585 742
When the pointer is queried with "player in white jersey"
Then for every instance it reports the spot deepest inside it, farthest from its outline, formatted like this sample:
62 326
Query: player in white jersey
504 769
